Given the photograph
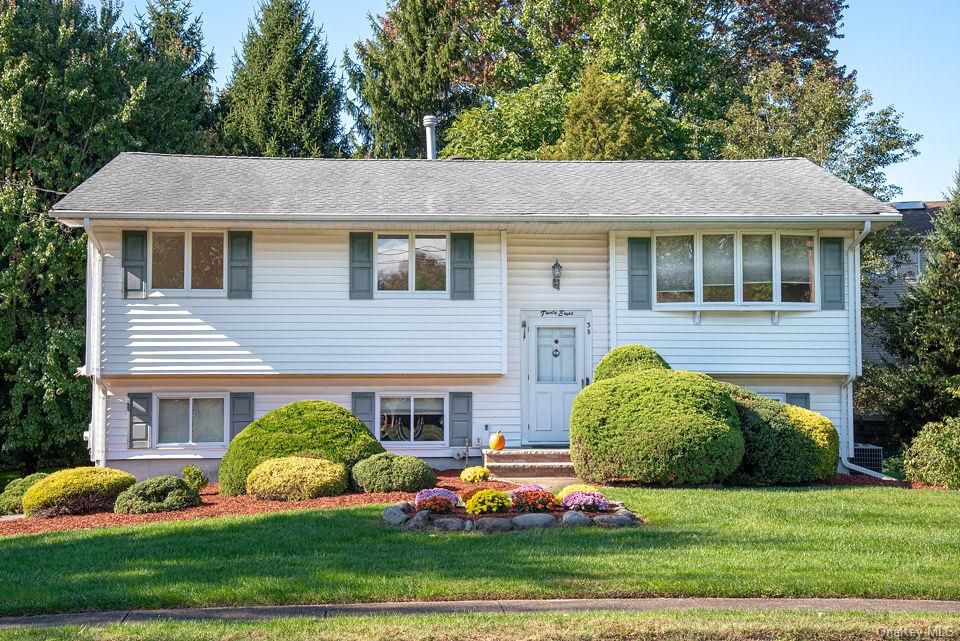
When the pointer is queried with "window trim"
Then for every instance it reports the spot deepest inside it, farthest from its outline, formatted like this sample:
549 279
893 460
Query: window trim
187 290
411 444
738 304
158 396
411 289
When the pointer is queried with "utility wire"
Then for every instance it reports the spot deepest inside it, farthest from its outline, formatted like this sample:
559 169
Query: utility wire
14 183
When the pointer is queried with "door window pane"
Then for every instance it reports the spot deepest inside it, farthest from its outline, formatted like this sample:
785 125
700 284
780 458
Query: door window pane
430 263
718 264
796 269
393 263
173 423
207 420
167 263
556 354
428 419
206 261
757 268
675 279
395 418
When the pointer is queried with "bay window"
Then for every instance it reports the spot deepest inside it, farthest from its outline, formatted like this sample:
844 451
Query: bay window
187 261
675 269
796 269
191 420
757 261
412 418
718 268
424 269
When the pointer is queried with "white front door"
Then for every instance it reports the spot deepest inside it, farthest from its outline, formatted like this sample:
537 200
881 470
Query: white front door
555 368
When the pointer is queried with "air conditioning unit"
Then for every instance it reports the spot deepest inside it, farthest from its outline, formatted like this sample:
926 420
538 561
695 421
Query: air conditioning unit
868 456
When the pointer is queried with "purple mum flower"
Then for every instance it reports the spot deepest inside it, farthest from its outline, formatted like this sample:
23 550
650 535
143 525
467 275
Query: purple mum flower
436 491
586 501
528 488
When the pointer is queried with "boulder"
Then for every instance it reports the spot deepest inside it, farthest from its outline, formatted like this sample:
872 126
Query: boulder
407 507
625 512
574 518
613 520
394 515
533 521
419 521
450 524
493 524
468 526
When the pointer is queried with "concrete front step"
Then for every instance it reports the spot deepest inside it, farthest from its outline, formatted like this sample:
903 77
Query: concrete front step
530 470
527 455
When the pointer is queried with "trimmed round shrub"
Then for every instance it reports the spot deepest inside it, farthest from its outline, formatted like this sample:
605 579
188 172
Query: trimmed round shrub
296 478
11 499
319 427
475 474
781 446
389 472
661 427
76 490
585 501
573 488
488 502
159 494
627 359
195 477
933 457
533 501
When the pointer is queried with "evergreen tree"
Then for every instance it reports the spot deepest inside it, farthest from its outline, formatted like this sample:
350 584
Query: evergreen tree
413 65
284 98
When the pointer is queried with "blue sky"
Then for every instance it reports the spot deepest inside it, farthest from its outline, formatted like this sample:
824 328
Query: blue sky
904 53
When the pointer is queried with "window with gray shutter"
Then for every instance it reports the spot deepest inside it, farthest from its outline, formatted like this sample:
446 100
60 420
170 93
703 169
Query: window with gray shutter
363 406
800 399
638 268
831 273
461 266
361 264
461 418
140 411
241 411
134 261
240 264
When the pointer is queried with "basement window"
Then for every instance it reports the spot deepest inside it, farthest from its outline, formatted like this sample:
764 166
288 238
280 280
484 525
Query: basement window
192 420
412 418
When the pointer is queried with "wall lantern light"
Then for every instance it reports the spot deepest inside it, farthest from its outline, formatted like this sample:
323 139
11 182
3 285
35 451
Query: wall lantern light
557 270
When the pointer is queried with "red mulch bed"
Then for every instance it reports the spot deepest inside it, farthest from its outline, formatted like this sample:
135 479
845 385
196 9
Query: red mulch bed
215 505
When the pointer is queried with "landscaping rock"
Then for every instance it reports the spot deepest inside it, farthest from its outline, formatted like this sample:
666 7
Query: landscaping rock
394 515
616 504
493 524
451 524
574 518
407 507
625 512
419 521
533 521
468 526
613 520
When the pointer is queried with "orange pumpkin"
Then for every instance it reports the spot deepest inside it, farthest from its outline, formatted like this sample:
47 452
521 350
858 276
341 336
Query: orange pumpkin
497 441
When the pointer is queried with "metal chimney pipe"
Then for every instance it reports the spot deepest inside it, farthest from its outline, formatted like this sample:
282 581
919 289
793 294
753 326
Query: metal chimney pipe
430 123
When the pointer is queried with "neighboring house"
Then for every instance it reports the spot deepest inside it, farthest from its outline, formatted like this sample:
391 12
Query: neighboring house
444 300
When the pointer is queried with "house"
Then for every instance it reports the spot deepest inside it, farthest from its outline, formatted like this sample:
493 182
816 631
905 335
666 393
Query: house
442 300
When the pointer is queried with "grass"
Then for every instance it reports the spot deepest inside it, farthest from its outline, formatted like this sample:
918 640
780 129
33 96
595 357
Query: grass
872 542
650 626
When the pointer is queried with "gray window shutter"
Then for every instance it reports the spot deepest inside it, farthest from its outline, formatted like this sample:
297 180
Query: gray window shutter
240 264
241 411
461 266
361 264
638 267
831 273
134 260
461 418
140 411
800 399
363 405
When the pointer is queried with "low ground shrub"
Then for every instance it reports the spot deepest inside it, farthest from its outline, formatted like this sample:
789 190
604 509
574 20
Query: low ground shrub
934 455
195 477
11 499
586 501
658 426
159 494
821 443
296 478
573 488
627 359
475 474
389 472
488 502
76 490
533 501
305 426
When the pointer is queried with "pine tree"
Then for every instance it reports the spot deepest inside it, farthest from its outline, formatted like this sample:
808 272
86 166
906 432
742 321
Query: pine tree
284 98
413 66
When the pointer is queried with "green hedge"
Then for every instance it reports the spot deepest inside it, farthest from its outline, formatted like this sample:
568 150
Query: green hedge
627 359
296 478
319 427
76 490
934 455
11 499
658 426
158 494
390 472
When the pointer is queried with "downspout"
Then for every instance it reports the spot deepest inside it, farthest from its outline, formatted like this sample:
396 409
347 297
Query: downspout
91 366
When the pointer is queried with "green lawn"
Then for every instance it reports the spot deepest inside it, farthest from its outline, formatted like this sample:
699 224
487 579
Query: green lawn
804 542
649 626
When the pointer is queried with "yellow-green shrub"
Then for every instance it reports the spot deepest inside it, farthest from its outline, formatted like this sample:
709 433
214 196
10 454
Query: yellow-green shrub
76 491
296 478
822 443
934 455
11 499
627 359
488 502
576 487
475 474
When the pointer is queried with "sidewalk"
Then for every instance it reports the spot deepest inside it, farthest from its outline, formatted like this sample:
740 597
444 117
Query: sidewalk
253 613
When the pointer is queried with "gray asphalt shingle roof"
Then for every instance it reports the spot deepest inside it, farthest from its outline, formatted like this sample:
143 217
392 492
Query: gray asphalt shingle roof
153 185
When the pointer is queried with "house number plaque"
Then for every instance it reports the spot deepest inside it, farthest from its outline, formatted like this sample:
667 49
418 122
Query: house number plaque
556 312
